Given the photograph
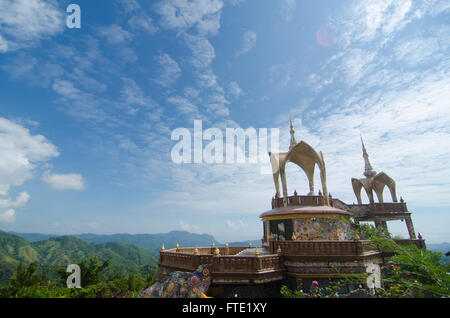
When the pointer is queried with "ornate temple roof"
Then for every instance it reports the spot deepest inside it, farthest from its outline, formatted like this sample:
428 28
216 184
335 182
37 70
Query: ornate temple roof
373 181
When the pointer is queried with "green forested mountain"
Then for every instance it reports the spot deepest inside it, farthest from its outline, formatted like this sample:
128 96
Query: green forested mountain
63 250
149 242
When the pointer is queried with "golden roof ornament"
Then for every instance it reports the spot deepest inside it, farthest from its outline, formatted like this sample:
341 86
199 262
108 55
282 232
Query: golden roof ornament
177 246
373 182
196 251
256 251
216 252
279 250
293 237
305 157
250 244
162 247
213 244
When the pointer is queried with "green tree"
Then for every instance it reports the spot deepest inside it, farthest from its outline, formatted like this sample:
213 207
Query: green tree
26 277
411 271
92 272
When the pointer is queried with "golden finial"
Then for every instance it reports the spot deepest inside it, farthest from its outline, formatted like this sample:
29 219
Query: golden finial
256 251
272 237
250 244
162 247
196 251
213 244
177 246
279 250
293 237
226 245
216 252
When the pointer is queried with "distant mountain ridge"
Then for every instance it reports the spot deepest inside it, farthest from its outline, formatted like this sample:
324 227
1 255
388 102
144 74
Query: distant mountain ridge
63 250
146 241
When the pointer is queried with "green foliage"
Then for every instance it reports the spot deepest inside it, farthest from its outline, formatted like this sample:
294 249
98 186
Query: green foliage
27 283
57 252
107 270
287 293
411 271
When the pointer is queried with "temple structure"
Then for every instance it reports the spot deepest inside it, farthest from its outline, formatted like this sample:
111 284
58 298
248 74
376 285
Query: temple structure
306 237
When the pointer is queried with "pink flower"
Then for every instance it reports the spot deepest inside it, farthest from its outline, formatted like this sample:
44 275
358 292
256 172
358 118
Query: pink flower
315 283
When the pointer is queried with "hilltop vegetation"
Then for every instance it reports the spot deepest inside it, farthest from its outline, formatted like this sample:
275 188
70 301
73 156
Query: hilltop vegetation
149 242
58 252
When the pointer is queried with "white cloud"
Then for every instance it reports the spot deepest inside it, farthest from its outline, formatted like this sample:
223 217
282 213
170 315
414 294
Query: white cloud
235 90
236 2
64 181
355 64
133 97
203 52
248 42
414 51
236 226
181 15
3 45
288 9
129 5
192 228
191 92
8 216
114 34
65 88
26 22
368 20
183 105
170 71
22 153
144 23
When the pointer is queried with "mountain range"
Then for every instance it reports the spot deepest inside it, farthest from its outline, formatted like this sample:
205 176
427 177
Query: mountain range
149 242
128 253
64 250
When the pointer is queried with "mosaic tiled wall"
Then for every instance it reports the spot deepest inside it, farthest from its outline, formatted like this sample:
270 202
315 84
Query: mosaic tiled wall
309 229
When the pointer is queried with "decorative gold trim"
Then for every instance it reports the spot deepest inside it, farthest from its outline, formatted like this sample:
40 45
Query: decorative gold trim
335 275
304 216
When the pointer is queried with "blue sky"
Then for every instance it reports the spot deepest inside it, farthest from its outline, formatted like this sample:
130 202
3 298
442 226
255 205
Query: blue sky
86 115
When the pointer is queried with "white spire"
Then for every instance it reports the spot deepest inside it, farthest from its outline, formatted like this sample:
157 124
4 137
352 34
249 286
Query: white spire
292 131
368 170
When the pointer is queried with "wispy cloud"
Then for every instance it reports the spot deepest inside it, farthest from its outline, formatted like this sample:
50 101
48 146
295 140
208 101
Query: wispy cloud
64 181
114 34
288 9
181 15
170 71
248 41
26 22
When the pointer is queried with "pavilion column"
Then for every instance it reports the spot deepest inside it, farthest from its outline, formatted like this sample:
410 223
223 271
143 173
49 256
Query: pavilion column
380 223
283 181
410 226
299 283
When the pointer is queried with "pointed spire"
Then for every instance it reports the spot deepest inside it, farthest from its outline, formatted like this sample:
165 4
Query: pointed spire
292 131
368 170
